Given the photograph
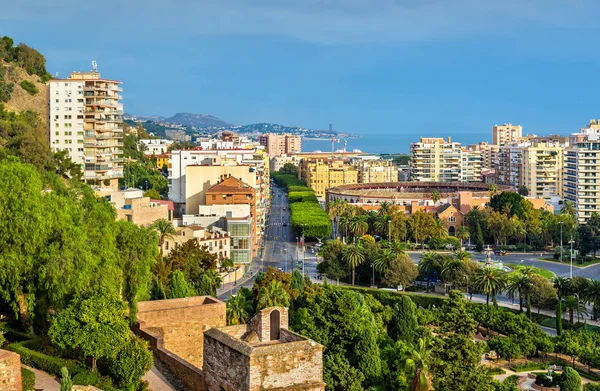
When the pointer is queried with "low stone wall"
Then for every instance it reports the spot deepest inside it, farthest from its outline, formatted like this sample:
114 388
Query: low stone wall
235 275
10 371
537 387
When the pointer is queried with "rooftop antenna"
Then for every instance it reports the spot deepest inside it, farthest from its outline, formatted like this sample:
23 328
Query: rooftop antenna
94 66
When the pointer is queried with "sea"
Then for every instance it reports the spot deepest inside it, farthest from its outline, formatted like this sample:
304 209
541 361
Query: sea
384 143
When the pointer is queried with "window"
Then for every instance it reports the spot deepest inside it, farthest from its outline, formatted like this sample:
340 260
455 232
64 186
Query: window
452 219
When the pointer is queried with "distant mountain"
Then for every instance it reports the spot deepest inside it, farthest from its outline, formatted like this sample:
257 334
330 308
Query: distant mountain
197 120
143 118
270 128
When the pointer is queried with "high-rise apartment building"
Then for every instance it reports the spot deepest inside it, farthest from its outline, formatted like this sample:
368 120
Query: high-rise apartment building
510 165
279 144
86 119
489 154
470 166
322 173
435 160
506 134
375 170
542 170
582 172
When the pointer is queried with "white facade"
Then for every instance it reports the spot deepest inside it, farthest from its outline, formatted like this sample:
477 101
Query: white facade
179 160
66 119
470 166
155 146
86 119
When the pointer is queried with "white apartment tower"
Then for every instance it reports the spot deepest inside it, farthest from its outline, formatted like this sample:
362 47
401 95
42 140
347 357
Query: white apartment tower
435 160
542 170
582 172
86 119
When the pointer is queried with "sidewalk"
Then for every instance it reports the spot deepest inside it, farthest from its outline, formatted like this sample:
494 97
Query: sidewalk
44 381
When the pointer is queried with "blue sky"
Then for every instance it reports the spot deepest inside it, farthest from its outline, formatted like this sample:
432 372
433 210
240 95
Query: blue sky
410 67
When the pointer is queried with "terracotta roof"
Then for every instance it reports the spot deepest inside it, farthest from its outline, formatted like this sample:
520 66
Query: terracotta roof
231 185
194 227
445 207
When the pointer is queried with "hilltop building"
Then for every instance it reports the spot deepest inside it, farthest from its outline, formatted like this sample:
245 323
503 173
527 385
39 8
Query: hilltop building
86 119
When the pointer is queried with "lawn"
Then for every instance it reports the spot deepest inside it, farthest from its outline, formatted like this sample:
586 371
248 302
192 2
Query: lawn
551 323
575 263
537 270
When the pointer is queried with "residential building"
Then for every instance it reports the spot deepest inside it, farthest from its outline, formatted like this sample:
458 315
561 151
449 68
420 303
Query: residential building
241 230
216 215
322 173
217 241
155 146
131 205
582 172
470 166
161 160
489 154
510 165
375 170
233 191
542 169
276 163
435 160
279 144
506 134
86 119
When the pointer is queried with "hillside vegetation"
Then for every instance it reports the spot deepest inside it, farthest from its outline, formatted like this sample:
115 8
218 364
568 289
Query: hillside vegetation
23 78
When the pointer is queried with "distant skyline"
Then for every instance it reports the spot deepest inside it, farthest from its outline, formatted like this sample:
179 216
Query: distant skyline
405 68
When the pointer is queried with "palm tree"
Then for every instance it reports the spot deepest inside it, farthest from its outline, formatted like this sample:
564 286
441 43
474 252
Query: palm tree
385 208
429 263
353 256
592 295
239 308
382 263
568 208
336 209
463 234
358 225
165 229
490 281
435 196
418 361
462 255
573 305
382 225
518 283
439 229
528 271
492 189
452 269
273 295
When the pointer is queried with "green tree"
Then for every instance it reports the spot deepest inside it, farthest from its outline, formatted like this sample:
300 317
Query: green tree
454 316
523 191
273 295
463 234
153 194
403 325
429 264
157 292
435 196
421 225
518 284
66 384
570 380
401 271
131 363
94 322
239 307
574 305
478 238
289 168
560 284
137 252
592 295
353 256
179 287
418 362
491 282
333 265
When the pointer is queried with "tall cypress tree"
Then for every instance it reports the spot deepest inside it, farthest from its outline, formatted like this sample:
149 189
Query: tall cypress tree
478 238
404 320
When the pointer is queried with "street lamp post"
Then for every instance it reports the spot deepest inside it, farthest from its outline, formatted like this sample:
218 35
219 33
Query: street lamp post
561 241
390 229
373 280
571 254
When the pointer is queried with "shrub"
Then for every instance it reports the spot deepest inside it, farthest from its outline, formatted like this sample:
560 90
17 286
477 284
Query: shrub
299 188
496 371
302 196
29 87
44 362
133 360
592 387
571 381
27 379
89 378
308 218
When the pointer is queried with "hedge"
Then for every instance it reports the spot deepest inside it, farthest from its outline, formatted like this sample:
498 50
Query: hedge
309 219
53 365
27 379
301 196
299 188
286 180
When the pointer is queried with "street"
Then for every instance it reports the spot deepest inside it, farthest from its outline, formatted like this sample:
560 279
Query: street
282 248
